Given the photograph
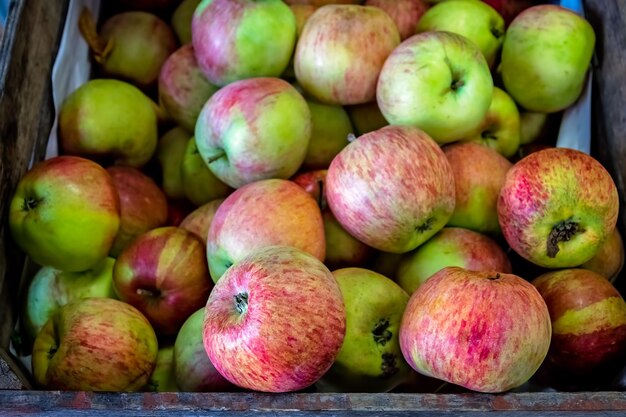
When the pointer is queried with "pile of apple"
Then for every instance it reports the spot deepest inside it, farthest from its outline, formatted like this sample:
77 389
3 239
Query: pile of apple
334 202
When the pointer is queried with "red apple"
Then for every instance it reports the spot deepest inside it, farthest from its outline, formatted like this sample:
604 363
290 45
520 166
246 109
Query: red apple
557 206
276 321
485 331
199 220
609 260
392 188
406 13
319 3
177 210
164 274
511 8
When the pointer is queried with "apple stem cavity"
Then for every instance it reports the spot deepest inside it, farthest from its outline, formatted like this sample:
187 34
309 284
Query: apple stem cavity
496 33
562 232
488 134
150 292
52 352
494 278
216 157
241 302
456 84
381 332
30 203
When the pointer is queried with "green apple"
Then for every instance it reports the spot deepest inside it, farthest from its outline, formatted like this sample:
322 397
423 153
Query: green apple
438 82
181 20
370 359
532 126
545 56
366 117
163 378
199 183
170 154
51 289
329 134
475 20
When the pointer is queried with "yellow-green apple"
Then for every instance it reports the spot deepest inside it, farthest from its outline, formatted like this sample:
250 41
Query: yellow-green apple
477 21
545 56
342 249
199 220
341 51
485 331
557 206
51 289
264 213
143 205
452 246
95 344
479 174
532 125
405 13
163 378
170 153
329 134
392 188
370 359
276 321
500 128
193 369
588 320
254 129
181 20
436 81
199 183
366 117
65 213
108 119
235 40
183 88
164 274
609 260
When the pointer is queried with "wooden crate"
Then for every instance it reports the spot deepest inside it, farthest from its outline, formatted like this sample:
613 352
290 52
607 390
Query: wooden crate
26 115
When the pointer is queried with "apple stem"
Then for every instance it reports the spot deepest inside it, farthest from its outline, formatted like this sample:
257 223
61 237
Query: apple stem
30 203
52 351
494 278
216 157
241 302
562 232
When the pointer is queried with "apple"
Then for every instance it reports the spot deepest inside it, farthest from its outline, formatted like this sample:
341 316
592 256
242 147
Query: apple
477 21
276 321
95 344
370 359
170 154
236 40
199 183
143 205
331 127
254 129
264 213
163 273
452 246
50 289
163 378
386 263
392 188
509 9
65 213
108 119
532 125
366 117
320 3
545 57
557 206
436 81
301 12
193 369
341 51
177 210
588 320
465 327
609 259
479 174
183 88
181 20
153 6
405 13
199 220
500 128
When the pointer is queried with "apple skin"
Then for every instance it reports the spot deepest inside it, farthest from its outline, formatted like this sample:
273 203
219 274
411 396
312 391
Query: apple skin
254 129
366 117
163 273
509 9
193 369
532 125
264 213
452 246
275 322
588 320
163 378
170 154
181 20
235 40
199 220
143 206
320 3
331 126
450 94
380 190
479 174
341 51
545 57
183 88
177 210
405 13
464 327
609 260
50 289
199 183
108 119
95 344
557 206
302 12
65 213
370 359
